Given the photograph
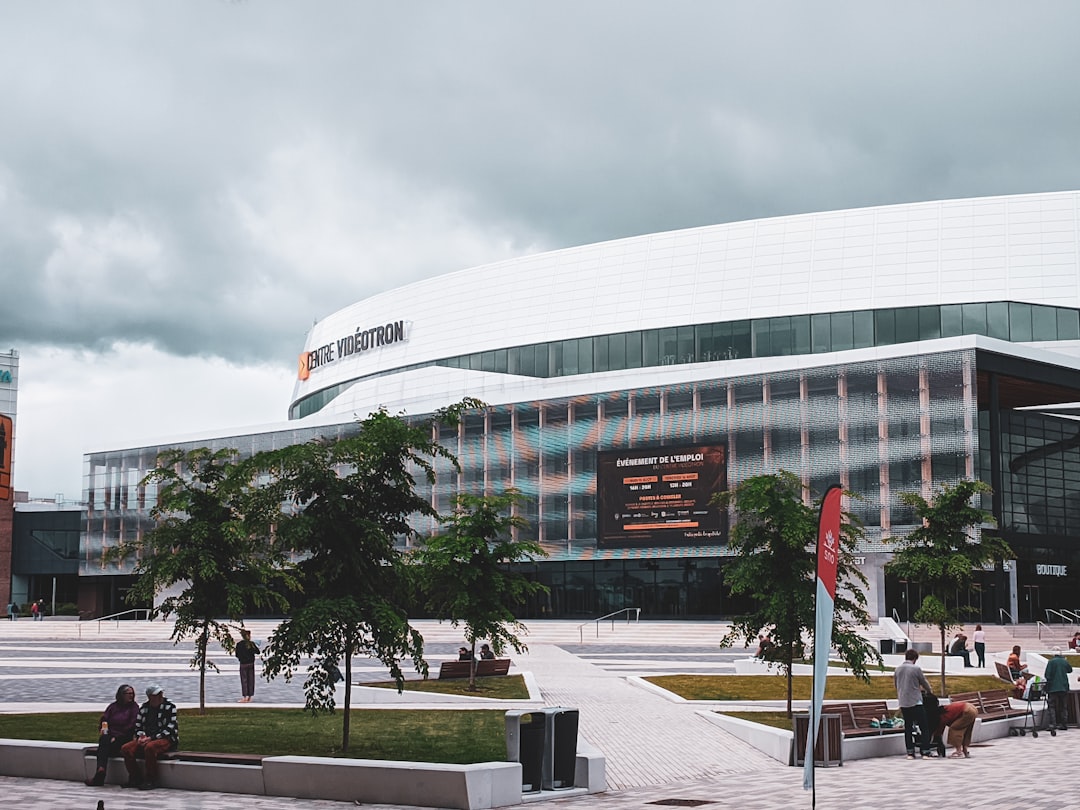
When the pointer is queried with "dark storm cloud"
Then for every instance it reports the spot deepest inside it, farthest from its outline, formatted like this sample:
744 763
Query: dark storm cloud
209 176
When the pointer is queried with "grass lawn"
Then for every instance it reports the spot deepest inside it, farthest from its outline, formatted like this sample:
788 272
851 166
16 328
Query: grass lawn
503 687
837 687
460 737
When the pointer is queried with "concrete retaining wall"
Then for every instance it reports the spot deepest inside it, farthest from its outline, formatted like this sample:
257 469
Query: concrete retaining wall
425 784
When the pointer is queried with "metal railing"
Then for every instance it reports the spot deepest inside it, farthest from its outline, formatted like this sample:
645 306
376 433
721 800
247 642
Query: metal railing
1073 615
636 611
118 616
1006 616
1060 614
1039 626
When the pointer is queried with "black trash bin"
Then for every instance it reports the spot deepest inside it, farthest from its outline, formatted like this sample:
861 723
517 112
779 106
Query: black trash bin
900 646
526 734
885 646
561 763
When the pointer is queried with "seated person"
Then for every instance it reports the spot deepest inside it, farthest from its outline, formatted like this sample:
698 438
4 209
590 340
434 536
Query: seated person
117 727
959 648
1074 642
485 653
463 654
156 732
1015 665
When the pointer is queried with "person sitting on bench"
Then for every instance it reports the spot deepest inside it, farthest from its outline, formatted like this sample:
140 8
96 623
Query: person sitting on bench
959 648
1015 665
156 732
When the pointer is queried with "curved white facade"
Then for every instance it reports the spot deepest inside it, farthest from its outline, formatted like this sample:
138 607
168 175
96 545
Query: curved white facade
1012 248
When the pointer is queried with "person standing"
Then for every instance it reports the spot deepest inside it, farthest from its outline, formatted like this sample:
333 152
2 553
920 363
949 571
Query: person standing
910 684
978 638
1057 689
34 611
156 731
246 650
117 727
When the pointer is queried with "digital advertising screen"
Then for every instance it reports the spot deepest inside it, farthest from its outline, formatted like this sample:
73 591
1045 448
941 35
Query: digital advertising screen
660 496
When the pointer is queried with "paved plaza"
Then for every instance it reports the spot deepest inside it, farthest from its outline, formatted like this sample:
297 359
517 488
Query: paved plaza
658 751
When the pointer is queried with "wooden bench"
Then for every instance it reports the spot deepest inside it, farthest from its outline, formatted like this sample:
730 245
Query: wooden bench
1003 672
855 717
254 760
484 668
992 704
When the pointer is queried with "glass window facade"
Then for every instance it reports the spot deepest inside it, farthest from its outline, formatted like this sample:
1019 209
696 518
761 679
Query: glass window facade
763 337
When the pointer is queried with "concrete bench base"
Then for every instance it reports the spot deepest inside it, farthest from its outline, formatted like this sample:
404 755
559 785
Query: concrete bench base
777 742
425 784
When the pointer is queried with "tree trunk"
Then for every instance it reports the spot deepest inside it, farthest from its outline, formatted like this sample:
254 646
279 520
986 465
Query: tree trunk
942 627
348 696
202 668
472 666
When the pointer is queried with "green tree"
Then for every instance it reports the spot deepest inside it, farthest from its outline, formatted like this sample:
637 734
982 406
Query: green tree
204 545
467 571
774 539
348 502
943 553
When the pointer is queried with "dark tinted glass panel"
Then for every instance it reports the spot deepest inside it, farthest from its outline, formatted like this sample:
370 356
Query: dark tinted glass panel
500 361
513 360
821 332
1043 323
487 361
585 356
907 324
863 323
997 320
650 348
686 345
570 356
974 319
885 327
740 339
633 350
929 323
669 346
616 351
762 339
1068 324
843 332
1019 321
800 334
600 353
554 359
952 320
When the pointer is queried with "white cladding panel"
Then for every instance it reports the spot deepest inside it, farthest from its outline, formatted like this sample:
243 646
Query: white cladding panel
1020 248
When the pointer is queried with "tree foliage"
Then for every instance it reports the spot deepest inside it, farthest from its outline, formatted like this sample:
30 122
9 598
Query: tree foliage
467 576
205 551
774 539
349 501
942 554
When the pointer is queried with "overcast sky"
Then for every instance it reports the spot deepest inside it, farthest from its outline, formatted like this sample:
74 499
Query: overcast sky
185 186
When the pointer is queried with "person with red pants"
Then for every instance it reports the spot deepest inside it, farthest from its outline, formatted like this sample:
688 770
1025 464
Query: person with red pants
156 731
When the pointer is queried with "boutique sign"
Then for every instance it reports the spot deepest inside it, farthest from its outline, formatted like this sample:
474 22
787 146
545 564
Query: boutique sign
361 340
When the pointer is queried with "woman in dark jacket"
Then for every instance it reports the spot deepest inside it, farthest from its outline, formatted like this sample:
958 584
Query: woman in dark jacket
117 728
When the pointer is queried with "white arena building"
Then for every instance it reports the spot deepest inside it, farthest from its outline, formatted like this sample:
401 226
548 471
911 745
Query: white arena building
890 349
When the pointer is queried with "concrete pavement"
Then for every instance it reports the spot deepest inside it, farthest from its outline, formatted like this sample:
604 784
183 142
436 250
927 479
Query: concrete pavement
656 749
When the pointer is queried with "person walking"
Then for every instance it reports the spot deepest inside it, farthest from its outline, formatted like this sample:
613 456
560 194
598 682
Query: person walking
978 638
910 683
1057 691
246 650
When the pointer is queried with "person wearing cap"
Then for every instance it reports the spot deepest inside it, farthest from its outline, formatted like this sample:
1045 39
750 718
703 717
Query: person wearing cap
156 732
1057 690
